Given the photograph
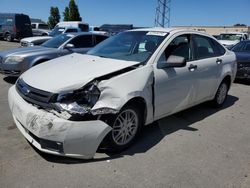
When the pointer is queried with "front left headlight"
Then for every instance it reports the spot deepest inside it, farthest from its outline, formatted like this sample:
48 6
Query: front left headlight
14 59
79 101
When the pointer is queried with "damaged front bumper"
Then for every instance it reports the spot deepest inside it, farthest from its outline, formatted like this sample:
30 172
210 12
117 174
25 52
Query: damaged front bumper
52 134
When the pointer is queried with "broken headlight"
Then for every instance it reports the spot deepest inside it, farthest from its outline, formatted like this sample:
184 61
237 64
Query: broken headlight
79 101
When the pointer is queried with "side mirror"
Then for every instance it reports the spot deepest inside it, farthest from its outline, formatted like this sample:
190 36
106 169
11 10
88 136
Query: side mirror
173 61
69 46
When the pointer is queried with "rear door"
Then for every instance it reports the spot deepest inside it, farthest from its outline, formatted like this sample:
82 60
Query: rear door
208 57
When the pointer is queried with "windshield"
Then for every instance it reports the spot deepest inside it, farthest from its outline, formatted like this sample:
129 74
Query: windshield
57 41
130 46
230 36
243 46
56 31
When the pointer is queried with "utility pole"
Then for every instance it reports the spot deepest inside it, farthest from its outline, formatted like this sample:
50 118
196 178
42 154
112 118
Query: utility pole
162 16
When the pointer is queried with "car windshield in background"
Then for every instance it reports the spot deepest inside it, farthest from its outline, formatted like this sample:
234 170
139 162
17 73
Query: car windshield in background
230 37
56 31
243 46
56 41
130 46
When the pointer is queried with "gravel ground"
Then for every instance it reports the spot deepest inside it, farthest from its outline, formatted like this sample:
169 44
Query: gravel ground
8 45
199 147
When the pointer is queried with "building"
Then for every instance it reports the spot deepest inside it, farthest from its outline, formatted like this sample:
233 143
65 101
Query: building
216 30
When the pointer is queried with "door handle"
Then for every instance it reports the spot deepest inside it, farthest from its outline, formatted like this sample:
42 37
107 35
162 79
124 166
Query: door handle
192 67
219 61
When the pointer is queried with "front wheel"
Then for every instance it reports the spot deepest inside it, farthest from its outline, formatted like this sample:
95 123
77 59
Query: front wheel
9 38
221 95
126 126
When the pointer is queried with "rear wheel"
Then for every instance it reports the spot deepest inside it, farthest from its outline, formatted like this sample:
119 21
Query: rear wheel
221 95
126 126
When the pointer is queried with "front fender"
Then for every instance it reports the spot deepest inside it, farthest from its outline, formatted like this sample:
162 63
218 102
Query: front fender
117 91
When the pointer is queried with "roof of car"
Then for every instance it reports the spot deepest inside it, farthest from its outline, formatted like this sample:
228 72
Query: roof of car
170 30
82 33
155 29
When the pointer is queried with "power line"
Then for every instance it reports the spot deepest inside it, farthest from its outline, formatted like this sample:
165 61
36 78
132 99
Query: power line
162 16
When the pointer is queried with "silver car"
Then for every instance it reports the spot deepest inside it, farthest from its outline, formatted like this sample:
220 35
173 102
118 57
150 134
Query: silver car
15 61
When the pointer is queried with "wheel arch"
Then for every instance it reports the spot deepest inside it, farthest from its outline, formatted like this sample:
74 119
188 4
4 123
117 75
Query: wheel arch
140 103
38 61
228 80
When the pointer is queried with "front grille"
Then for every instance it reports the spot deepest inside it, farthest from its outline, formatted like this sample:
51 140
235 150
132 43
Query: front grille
33 95
45 144
24 44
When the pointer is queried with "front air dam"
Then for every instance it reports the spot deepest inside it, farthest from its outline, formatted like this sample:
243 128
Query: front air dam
54 135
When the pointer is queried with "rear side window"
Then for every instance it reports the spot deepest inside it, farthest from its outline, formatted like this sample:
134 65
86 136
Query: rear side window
218 47
71 30
204 47
84 41
43 26
100 38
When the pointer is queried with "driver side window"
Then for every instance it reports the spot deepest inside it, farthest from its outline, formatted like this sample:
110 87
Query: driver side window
180 46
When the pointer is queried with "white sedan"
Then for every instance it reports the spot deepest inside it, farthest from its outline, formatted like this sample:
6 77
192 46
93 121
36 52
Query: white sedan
74 104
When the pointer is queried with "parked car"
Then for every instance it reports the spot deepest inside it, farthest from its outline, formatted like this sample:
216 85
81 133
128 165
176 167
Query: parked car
16 61
95 29
40 29
74 104
35 41
14 26
84 27
231 38
242 51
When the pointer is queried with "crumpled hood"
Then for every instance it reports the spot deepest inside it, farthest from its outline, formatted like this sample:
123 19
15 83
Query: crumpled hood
71 72
228 42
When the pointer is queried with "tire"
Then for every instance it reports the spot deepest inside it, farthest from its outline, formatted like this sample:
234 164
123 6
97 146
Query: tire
126 127
8 37
221 95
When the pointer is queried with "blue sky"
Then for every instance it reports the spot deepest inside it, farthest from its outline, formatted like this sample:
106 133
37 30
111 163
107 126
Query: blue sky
140 12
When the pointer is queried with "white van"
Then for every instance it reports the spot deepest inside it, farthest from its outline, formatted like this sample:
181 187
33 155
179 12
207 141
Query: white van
76 24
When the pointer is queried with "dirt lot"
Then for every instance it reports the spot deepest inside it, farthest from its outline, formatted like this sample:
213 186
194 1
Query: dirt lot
199 147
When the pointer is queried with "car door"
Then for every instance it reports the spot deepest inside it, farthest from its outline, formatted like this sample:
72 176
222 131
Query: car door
209 66
174 87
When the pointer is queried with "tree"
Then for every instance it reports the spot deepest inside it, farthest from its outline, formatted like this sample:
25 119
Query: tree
238 24
66 14
71 13
54 17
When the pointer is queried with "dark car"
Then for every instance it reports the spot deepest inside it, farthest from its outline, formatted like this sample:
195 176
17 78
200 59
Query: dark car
242 51
14 26
15 61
